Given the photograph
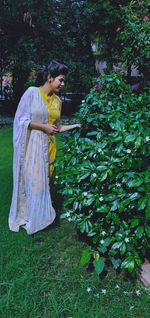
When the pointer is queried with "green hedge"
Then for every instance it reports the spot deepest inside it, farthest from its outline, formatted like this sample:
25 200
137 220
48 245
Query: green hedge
105 175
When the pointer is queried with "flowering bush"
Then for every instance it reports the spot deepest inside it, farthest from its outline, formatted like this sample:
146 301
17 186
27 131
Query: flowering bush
105 175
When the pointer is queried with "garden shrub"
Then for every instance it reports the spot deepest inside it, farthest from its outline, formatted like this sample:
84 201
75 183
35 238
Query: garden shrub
105 175
5 121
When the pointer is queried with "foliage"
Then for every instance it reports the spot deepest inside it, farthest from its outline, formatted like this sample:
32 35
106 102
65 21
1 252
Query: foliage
102 19
121 31
41 277
33 33
105 175
133 33
5 121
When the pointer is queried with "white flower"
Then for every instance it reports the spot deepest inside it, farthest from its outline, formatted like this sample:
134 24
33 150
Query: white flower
67 214
138 293
103 233
96 295
83 101
102 241
94 175
147 138
117 287
125 293
68 149
99 150
101 199
104 291
56 177
69 219
127 240
85 157
89 289
128 150
131 307
85 194
118 184
147 289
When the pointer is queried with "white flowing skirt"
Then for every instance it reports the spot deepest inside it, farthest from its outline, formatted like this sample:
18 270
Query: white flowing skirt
33 207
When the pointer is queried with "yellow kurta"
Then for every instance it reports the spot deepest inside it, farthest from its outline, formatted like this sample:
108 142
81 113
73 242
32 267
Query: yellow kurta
53 105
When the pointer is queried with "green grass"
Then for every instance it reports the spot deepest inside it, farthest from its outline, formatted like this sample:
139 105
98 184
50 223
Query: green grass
40 275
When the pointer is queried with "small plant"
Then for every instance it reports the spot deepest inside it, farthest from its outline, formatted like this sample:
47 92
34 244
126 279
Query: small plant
105 175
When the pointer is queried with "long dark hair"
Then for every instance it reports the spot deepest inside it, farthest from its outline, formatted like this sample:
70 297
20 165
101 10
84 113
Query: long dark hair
54 69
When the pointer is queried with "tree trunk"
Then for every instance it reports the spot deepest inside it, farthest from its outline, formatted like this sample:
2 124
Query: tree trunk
20 76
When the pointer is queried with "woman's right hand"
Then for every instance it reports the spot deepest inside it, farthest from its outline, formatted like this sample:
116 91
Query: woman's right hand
48 129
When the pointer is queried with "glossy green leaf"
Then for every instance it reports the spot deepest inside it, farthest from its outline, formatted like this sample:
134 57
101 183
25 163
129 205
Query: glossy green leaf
139 232
123 248
148 211
135 183
134 222
128 264
103 209
114 206
142 203
85 257
102 249
138 142
101 168
147 230
116 245
84 176
104 176
99 265
116 262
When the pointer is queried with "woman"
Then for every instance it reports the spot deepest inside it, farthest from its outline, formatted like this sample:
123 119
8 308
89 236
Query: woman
35 123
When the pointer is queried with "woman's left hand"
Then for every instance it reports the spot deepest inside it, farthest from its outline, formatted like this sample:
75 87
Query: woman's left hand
78 125
62 128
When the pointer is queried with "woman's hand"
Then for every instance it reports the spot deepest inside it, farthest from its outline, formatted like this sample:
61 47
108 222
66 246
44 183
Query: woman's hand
78 125
62 128
48 129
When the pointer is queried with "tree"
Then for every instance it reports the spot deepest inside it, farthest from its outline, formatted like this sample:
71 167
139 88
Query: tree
37 32
121 29
134 36
102 20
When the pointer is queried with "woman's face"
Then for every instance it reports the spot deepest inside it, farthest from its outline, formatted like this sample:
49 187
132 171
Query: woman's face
57 83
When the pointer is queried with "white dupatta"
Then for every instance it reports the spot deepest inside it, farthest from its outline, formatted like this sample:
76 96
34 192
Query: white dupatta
31 204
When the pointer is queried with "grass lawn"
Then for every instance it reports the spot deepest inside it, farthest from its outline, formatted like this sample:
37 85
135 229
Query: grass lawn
40 275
